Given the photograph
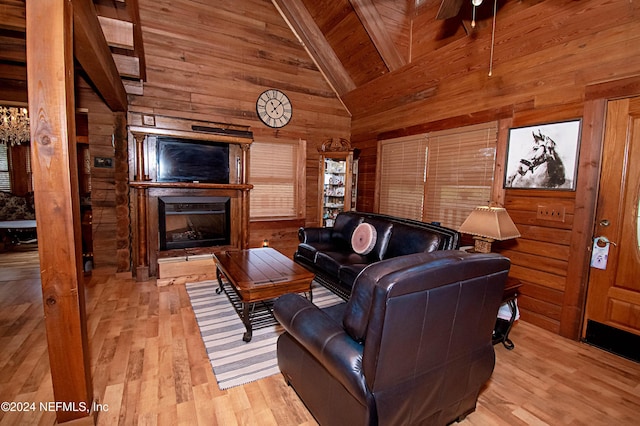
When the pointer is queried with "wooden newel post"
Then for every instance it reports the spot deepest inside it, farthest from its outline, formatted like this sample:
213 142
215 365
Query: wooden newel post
244 227
142 268
50 72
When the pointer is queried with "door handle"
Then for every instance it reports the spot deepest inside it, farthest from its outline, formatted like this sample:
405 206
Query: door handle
603 242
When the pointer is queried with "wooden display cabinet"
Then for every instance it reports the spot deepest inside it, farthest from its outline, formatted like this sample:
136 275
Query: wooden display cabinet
335 185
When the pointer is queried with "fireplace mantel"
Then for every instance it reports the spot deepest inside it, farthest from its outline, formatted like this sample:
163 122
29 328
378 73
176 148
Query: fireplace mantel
149 184
144 128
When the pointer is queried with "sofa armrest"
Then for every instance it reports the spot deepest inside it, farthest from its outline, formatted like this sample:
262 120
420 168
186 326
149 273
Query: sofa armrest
325 339
314 235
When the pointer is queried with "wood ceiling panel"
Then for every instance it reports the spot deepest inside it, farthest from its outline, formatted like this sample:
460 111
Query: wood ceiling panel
328 13
396 15
356 51
348 38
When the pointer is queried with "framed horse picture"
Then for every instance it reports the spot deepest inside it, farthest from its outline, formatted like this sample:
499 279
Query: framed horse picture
543 156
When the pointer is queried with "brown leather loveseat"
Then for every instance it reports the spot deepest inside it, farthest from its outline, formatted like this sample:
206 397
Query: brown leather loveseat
328 252
412 345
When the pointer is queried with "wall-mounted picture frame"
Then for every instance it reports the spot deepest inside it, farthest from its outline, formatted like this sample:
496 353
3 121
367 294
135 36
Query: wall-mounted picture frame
543 156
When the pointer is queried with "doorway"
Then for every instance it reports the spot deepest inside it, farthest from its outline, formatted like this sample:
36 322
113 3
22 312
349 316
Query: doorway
612 314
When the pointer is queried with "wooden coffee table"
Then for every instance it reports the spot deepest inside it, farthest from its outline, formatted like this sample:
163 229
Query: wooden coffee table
256 277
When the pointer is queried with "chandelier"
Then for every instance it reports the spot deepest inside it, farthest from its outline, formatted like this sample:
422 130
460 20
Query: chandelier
14 126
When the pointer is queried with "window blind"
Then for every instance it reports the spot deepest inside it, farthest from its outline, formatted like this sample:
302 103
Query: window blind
5 176
273 175
402 169
460 171
439 176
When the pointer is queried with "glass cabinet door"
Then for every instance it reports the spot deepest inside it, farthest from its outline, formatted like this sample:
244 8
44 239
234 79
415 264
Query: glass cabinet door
336 186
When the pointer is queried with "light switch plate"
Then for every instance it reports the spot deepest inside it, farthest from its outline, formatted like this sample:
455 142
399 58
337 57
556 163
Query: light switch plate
148 120
553 213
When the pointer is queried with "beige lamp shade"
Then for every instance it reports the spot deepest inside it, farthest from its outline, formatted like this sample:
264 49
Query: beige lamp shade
488 224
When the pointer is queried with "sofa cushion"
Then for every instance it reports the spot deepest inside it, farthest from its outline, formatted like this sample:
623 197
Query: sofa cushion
331 261
309 251
383 230
345 224
410 239
364 238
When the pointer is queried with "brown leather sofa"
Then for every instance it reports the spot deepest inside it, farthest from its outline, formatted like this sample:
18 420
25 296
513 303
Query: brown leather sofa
329 254
412 345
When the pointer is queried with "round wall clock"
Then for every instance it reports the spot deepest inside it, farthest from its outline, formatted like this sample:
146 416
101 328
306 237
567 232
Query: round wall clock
274 108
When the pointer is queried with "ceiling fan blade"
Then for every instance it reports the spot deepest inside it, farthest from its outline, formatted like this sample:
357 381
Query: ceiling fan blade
449 9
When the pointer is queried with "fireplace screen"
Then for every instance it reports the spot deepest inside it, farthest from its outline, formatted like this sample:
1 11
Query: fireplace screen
187 222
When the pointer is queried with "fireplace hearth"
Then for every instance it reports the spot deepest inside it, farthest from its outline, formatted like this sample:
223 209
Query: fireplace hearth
195 221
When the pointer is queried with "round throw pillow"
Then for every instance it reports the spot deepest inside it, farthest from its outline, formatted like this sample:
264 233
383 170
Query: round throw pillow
363 239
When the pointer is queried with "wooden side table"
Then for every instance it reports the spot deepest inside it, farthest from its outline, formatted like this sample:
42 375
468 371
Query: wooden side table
501 330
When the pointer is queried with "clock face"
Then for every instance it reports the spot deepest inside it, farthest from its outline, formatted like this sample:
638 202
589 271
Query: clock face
274 108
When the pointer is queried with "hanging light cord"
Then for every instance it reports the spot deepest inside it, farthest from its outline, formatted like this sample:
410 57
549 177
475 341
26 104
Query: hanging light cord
493 36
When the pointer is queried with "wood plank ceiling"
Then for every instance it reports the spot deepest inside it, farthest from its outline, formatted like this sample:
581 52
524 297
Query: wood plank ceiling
352 42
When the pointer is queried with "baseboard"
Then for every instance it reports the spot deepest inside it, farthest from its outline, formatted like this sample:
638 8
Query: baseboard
613 340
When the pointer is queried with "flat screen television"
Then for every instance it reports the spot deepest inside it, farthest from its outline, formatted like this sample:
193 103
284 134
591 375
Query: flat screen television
186 160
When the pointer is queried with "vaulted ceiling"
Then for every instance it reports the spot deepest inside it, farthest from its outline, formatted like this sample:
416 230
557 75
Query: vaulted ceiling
352 42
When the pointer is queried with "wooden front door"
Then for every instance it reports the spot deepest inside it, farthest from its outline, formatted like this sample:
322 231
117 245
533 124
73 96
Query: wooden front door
613 296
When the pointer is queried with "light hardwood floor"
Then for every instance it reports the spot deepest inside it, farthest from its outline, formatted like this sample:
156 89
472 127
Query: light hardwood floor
150 367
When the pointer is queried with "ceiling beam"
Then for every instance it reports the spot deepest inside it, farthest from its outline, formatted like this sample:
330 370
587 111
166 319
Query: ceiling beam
93 54
304 27
374 25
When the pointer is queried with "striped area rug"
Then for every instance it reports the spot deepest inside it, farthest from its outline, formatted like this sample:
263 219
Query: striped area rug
234 361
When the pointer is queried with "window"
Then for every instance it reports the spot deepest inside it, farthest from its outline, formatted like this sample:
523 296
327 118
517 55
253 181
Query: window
402 176
5 175
274 170
459 173
439 176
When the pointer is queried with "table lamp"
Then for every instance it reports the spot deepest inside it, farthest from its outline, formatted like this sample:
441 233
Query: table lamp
488 224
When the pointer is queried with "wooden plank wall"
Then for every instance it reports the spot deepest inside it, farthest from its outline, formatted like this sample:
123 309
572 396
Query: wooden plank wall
546 53
211 63
539 258
103 185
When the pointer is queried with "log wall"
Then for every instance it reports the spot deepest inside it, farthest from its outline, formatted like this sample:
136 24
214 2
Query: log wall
211 64
110 226
546 55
